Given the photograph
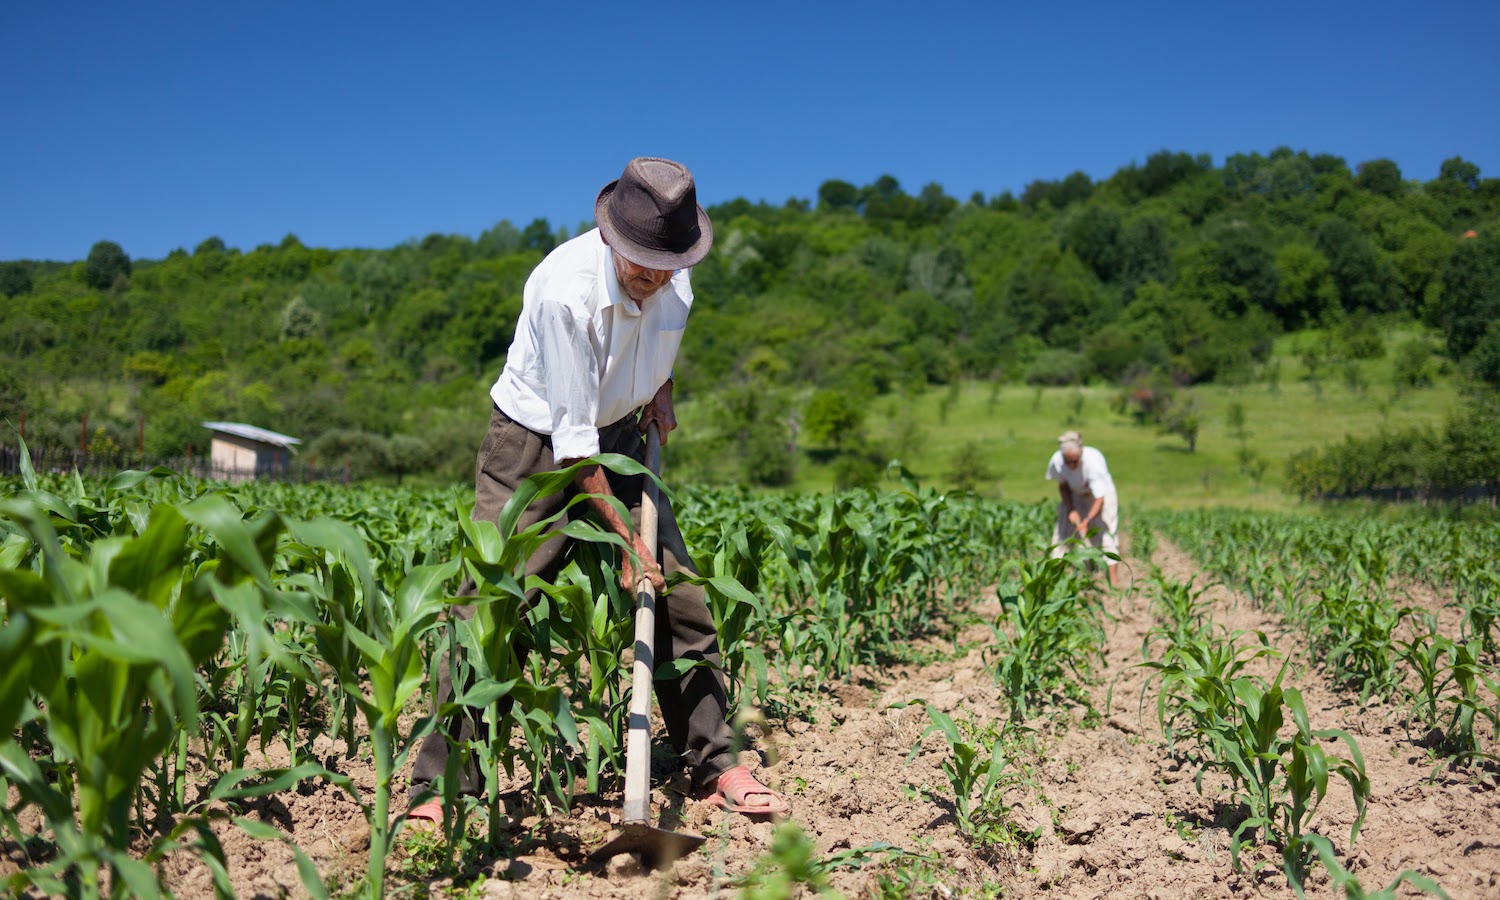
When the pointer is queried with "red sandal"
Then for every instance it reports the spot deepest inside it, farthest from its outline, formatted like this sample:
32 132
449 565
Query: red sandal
736 786
429 814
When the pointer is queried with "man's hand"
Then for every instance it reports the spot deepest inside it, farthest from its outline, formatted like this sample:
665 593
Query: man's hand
659 410
630 580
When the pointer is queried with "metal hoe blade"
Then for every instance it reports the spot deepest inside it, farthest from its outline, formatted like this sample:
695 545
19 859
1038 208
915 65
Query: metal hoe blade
656 847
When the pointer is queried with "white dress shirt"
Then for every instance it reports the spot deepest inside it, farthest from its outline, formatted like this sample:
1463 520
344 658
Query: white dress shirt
1091 477
584 355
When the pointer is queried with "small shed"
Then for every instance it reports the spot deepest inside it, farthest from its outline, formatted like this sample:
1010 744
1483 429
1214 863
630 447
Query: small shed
239 451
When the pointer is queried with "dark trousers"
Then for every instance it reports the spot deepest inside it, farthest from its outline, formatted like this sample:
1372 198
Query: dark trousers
695 706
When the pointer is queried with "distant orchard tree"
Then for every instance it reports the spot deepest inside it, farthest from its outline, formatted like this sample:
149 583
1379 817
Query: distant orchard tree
12 396
405 454
833 419
1380 176
105 264
1485 358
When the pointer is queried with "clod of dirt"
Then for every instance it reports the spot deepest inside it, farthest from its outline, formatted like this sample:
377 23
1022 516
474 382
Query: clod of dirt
1078 829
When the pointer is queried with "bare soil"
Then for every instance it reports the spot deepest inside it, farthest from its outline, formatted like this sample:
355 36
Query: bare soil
1113 815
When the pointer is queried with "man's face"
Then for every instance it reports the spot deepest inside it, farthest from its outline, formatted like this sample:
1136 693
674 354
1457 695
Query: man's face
1071 458
639 282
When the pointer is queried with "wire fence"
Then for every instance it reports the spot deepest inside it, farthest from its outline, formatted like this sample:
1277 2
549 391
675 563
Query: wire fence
59 460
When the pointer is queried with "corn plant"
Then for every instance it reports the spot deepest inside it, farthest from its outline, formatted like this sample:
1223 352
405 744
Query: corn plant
1449 674
793 868
367 636
1352 629
1344 880
527 655
1280 780
980 767
1050 628
1480 611
1180 609
107 636
1193 670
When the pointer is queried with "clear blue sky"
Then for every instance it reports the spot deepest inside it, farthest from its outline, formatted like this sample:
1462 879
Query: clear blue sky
159 124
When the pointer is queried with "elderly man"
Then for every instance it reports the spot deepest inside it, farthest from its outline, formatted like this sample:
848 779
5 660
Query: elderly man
590 365
1088 509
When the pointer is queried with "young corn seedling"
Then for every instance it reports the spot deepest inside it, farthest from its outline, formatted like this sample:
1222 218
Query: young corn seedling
979 769
1352 630
1280 780
1345 881
519 664
1182 611
1191 699
1049 629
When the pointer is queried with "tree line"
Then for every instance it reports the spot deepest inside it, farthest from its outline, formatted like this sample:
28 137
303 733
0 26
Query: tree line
1173 272
1458 461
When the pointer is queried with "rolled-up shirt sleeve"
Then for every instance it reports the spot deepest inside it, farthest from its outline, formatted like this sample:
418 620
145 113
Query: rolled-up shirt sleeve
570 371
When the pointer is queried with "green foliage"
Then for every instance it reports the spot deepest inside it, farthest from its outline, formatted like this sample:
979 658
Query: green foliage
1471 292
1411 366
971 468
281 616
1381 176
15 278
1330 578
793 868
107 266
1051 629
981 767
833 419
1410 463
1170 267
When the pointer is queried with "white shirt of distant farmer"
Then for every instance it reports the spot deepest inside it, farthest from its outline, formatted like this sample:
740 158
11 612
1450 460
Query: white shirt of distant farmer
584 355
1089 481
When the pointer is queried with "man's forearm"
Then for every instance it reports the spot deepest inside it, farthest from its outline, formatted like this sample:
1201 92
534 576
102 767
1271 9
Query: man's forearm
592 480
1094 510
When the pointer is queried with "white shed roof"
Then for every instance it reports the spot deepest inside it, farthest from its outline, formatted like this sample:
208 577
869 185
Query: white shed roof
251 432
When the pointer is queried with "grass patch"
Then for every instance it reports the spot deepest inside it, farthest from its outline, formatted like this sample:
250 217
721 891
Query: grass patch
1285 410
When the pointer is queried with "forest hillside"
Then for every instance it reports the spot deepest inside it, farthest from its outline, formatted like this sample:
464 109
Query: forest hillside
1169 274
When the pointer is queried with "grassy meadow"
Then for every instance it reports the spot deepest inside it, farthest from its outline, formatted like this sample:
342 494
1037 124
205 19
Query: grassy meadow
1015 428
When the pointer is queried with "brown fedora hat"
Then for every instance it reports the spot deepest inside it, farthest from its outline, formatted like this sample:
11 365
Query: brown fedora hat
651 216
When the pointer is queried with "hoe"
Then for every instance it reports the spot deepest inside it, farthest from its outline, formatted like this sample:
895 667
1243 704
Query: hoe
655 847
